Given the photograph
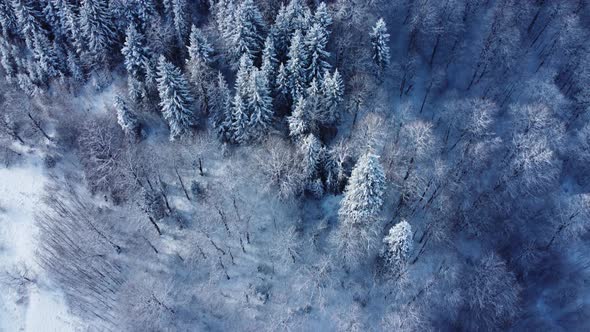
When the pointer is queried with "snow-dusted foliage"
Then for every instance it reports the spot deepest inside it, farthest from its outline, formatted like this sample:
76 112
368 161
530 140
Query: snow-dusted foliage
176 102
297 165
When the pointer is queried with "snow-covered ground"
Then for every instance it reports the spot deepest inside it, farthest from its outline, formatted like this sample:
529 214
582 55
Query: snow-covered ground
37 306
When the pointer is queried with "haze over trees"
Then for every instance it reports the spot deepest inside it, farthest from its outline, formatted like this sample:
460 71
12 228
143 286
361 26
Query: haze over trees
303 165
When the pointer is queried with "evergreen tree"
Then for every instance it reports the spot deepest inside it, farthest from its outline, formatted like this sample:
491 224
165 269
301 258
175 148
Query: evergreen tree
175 98
295 66
8 57
96 25
7 18
74 67
295 16
48 63
316 41
312 151
143 12
70 24
239 121
247 35
180 21
136 55
242 85
200 74
333 95
322 17
313 106
259 105
27 20
379 40
298 121
363 197
282 80
222 108
125 118
397 246
269 60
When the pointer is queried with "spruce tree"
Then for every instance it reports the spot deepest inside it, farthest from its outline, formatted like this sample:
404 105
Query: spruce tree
125 118
379 41
259 105
397 247
239 121
322 16
48 63
247 35
27 20
175 99
312 151
363 197
282 81
333 95
316 41
298 121
180 21
295 66
136 55
270 62
197 65
96 26
222 108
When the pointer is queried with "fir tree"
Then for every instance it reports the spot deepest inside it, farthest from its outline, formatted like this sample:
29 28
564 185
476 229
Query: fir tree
295 16
282 80
48 63
269 60
27 19
379 40
333 95
363 197
74 67
312 151
239 121
316 41
260 105
322 17
180 21
295 66
222 108
200 74
175 98
96 25
397 247
247 35
125 118
242 85
298 121
136 55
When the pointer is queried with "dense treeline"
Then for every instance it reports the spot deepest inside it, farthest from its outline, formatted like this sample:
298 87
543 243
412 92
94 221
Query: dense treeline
339 165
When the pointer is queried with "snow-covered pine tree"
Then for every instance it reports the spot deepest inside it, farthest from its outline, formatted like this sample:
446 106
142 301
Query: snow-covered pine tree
316 41
71 25
333 95
248 30
363 197
296 15
380 41
282 81
175 98
314 104
180 21
8 59
295 66
136 55
7 19
359 209
242 86
269 61
197 66
125 118
239 121
298 121
322 16
311 150
48 63
74 67
27 20
96 26
143 11
397 247
221 109
259 105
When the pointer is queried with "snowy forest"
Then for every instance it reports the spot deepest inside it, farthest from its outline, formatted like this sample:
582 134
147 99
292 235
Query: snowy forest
267 165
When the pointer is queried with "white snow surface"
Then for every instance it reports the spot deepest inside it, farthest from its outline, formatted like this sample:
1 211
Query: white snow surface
38 306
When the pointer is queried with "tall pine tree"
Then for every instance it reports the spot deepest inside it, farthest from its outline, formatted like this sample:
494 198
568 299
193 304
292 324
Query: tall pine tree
175 98
379 41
